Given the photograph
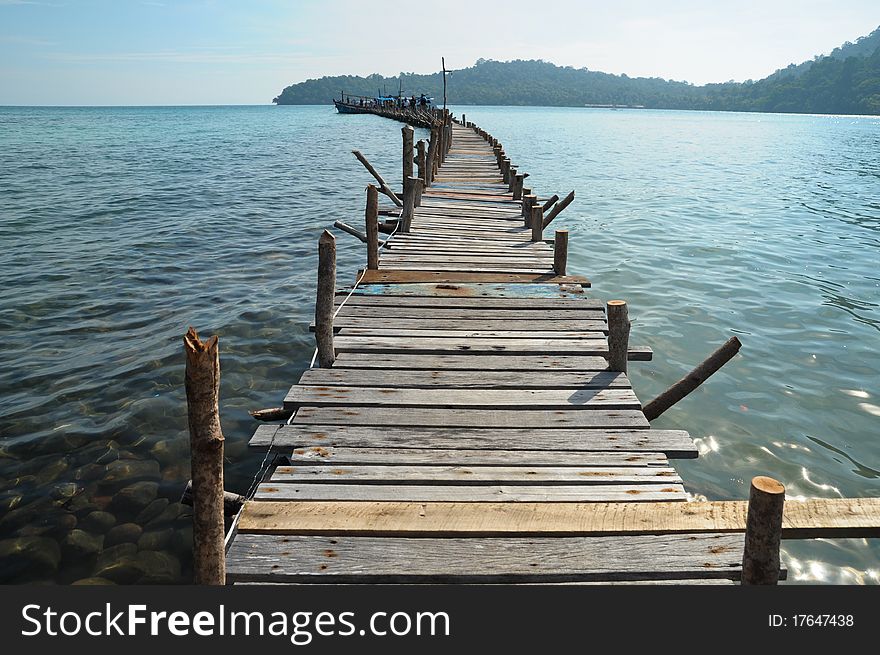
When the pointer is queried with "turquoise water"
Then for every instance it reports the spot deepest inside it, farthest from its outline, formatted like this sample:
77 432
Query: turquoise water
120 227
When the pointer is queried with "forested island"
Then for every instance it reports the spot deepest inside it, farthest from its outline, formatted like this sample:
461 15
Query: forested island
847 81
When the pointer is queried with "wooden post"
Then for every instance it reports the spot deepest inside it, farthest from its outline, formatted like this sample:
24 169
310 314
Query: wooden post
528 202
325 299
560 252
618 335
464 119
407 132
693 379
511 179
371 217
760 564
409 202
537 215
505 170
202 381
558 208
552 199
518 186
432 152
420 160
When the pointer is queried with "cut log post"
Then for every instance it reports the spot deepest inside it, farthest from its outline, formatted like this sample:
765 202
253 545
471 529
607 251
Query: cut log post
371 220
558 209
324 300
420 159
407 133
560 252
432 153
537 223
693 379
384 187
618 335
350 230
511 179
409 200
420 187
547 205
760 563
464 119
518 186
231 502
528 201
202 381
505 170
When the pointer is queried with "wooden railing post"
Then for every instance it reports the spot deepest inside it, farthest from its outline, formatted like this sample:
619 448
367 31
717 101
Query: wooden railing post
202 381
528 201
409 202
537 215
760 564
371 218
560 252
618 335
518 186
407 132
511 179
324 302
420 160
505 170
432 153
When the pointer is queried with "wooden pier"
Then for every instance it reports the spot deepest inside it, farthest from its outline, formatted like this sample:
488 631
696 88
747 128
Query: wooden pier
473 421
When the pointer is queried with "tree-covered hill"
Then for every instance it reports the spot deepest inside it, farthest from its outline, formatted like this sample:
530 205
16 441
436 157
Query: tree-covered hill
845 82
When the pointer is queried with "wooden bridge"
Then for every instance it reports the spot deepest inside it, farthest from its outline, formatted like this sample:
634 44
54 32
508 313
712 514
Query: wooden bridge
472 420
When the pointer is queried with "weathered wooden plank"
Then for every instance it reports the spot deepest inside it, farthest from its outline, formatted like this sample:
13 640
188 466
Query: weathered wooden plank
473 475
430 313
672 443
433 268
396 324
599 493
431 333
528 292
396 277
342 455
394 398
476 418
463 379
473 363
466 301
802 519
392 345
325 559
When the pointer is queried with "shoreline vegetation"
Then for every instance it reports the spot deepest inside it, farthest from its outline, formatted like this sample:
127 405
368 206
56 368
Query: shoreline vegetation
847 81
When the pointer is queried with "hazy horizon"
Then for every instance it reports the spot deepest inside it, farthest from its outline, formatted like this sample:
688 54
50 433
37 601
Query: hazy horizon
218 52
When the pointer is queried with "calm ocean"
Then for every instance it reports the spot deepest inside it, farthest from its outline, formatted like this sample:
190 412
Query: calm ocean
120 227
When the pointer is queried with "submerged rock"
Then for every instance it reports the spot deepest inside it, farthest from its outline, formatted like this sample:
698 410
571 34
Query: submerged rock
98 522
89 472
28 557
119 564
135 497
126 471
155 539
126 533
151 511
171 451
159 567
79 544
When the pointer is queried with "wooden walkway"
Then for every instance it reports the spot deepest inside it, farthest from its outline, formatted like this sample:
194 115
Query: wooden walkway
470 425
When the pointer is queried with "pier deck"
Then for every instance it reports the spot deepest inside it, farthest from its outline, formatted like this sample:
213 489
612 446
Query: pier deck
470 423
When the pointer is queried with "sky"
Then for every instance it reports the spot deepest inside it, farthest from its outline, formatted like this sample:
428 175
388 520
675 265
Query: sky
138 52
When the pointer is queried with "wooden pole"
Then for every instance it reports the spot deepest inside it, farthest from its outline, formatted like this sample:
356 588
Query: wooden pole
511 179
518 186
371 218
760 563
693 379
420 160
409 199
384 187
420 187
505 170
550 201
443 63
537 223
528 201
560 252
558 208
348 229
464 120
202 381
618 335
407 132
325 299
432 152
